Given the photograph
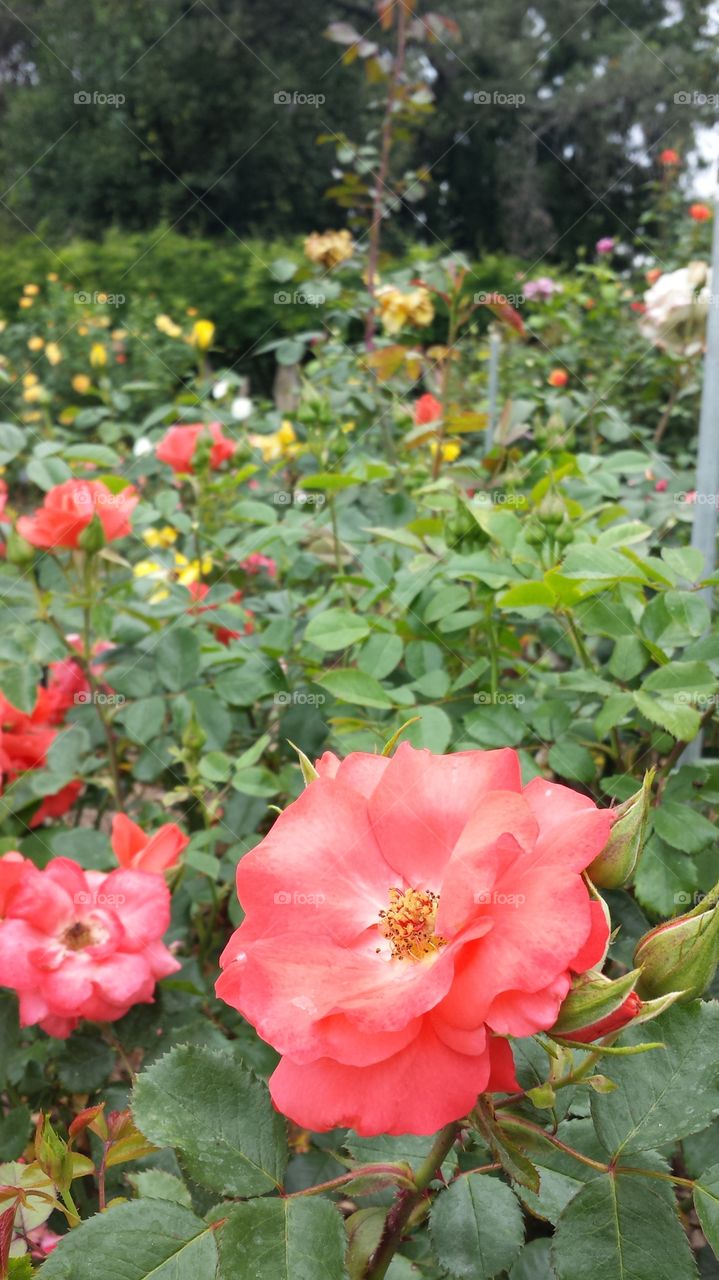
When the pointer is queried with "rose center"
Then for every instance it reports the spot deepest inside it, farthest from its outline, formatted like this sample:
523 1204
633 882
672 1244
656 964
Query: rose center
80 935
408 923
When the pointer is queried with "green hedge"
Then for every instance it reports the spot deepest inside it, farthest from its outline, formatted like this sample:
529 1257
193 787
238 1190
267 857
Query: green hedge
227 280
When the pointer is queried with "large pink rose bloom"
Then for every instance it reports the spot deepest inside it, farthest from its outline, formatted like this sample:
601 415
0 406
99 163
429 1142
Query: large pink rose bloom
69 508
403 917
177 446
79 944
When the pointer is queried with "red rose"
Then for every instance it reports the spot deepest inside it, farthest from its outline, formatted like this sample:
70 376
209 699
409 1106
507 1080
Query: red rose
403 917
427 409
133 848
178 445
69 508
669 157
558 378
700 212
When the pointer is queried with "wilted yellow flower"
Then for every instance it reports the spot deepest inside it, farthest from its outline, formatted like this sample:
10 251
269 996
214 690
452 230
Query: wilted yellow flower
81 383
450 450
52 276
398 308
98 355
329 247
163 537
203 332
53 353
278 444
167 325
31 290
35 344
25 302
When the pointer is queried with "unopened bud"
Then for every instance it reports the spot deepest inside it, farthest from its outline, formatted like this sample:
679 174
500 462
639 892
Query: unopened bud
620 855
92 537
595 1000
17 550
681 955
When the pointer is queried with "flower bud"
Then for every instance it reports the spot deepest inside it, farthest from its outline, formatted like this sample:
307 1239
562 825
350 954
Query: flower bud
595 1000
92 537
620 855
18 551
681 955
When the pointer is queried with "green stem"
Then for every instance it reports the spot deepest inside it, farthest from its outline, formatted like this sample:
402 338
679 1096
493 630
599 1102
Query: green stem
408 1201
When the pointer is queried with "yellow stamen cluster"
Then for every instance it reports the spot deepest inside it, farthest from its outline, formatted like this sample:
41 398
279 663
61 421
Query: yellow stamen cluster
408 923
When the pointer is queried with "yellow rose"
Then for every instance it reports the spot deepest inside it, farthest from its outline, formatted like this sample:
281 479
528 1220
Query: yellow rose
188 571
203 332
82 330
35 344
31 290
421 310
31 395
98 355
29 379
52 276
167 326
25 302
81 383
329 248
53 353
450 450
163 537
278 444
393 309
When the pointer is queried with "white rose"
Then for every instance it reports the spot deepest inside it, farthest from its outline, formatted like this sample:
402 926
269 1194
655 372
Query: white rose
241 408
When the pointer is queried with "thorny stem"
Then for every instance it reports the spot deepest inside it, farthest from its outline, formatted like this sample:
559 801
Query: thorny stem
408 1201
383 170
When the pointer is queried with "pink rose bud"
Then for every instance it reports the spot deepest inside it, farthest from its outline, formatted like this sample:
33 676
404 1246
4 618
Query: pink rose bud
594 1003
681 955
618 860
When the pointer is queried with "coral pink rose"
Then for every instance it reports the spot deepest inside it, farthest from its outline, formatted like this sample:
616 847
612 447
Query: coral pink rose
12 866
79 944
133 848
427 409
403 917
177 446
69 508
